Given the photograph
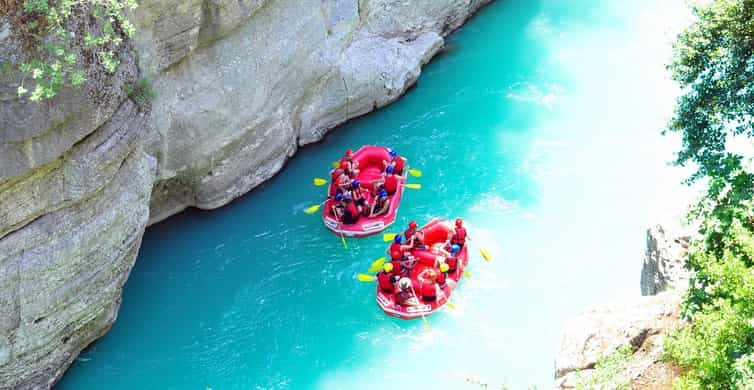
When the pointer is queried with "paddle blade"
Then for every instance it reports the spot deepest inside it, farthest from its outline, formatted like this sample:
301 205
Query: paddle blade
365 278
343 238
312 209
318 181
335 165
466 273
415 172
426 323
451 306
388 237
413 186
377 264
485 254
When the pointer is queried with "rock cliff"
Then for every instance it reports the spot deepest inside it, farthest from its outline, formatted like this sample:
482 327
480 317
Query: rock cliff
239 86
641 323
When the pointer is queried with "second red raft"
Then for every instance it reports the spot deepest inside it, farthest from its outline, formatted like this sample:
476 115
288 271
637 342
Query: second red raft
435 234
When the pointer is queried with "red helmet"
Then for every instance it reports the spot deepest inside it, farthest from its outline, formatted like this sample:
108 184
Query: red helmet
459 222
412 225
349 152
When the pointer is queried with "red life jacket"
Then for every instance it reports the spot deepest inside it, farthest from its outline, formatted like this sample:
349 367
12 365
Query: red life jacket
459 238
391 184
395 247
452 263
399 161
396 266
428 289
408 233
441 276
383 278
353 210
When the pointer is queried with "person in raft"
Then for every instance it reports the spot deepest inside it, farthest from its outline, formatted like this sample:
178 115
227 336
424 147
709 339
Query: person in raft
428 286
350 167
395 161
396 248
417 241
338 206
381 205
442 277
389 181
459 234
408 233
405 297
387 279
351 212
359 198
343 183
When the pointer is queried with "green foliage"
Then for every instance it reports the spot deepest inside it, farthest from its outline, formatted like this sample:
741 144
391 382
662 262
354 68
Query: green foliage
55 63
713 63
609 372
717 350
141 92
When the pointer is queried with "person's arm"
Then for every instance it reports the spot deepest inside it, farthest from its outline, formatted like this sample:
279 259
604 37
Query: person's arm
385 207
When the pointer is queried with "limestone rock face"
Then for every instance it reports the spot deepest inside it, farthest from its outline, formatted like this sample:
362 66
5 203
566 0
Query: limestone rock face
664 260
242 84
74 194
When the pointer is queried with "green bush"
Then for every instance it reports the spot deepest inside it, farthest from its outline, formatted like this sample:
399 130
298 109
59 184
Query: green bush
55 63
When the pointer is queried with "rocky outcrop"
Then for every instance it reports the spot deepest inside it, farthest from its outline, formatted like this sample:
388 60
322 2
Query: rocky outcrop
641 323
664 261
242 84
74 193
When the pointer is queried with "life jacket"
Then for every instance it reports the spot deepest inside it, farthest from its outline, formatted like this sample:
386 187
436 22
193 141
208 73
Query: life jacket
398 168
395 247
383 279
397 268
452 263
352 213
391 184
459 238
408 233
441 277
428 290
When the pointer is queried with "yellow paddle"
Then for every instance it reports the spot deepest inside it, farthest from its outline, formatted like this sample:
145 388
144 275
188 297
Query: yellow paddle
466 273
365 278
389 237
413 186
343 238
426 323
318 181
377 265
485 254
335 165
313 209
450 305
415 172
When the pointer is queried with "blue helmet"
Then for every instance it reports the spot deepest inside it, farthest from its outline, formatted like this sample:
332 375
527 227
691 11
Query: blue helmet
355 183
455 248
398 239
338 196
383 194
389 169
393 153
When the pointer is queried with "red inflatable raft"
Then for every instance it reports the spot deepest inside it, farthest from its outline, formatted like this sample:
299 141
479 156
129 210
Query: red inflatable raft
371 166
435 235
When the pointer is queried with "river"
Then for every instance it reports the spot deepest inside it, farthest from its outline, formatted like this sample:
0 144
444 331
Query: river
540 126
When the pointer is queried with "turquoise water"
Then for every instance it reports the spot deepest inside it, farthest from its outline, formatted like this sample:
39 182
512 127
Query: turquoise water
540 127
